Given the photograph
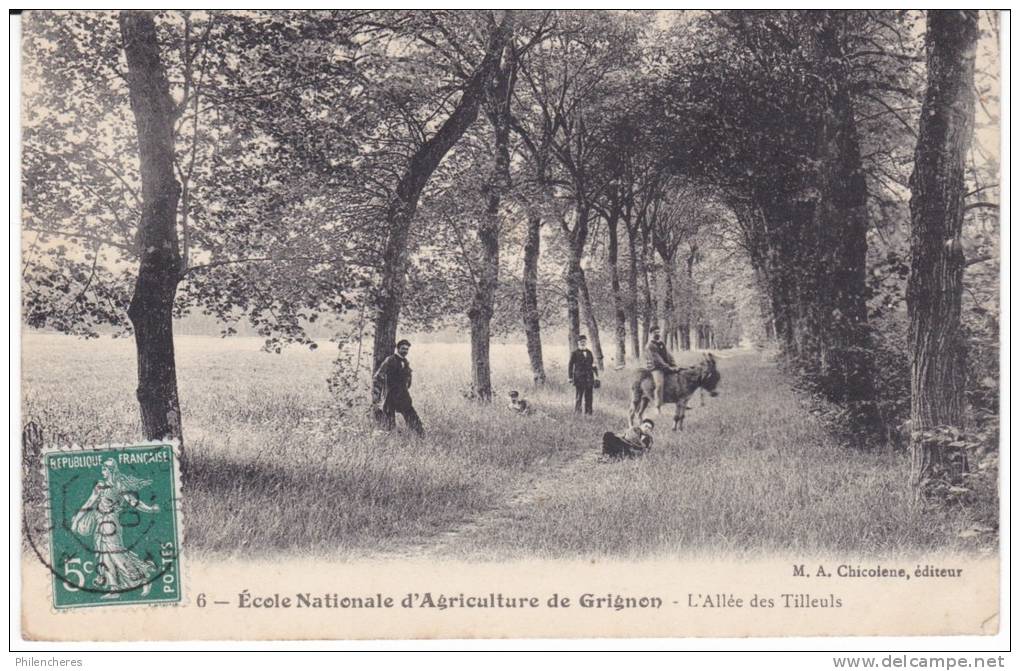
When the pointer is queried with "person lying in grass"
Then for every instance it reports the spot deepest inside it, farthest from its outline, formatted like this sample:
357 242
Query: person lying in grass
634 442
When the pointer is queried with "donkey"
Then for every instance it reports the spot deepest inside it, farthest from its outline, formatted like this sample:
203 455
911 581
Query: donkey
679 385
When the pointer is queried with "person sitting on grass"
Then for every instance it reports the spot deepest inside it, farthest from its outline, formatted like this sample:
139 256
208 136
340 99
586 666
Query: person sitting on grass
636 441
518 404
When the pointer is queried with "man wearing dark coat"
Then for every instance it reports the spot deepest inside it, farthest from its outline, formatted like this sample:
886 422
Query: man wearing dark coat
582 374
390 387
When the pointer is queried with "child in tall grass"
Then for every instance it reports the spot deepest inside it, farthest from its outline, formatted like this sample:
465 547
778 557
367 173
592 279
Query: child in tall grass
634 442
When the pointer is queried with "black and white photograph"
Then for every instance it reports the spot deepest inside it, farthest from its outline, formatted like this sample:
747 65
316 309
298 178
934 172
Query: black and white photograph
509 323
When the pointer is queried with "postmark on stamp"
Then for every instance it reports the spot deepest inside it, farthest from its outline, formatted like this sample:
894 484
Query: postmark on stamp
114 516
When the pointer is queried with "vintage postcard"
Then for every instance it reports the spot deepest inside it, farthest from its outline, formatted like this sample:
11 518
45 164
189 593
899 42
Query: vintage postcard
435 324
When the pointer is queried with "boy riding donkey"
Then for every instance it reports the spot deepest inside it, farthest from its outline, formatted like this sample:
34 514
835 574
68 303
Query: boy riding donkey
659 362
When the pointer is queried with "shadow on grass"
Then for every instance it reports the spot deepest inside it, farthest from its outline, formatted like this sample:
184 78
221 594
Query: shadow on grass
255 508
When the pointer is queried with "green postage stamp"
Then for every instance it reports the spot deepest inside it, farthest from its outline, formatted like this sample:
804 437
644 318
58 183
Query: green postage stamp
114 532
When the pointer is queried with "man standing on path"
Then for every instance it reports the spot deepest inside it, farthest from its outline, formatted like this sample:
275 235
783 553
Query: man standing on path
390 386
659 362
582 374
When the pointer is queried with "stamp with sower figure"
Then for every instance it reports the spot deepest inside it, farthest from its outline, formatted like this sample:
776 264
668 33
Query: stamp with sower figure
114 516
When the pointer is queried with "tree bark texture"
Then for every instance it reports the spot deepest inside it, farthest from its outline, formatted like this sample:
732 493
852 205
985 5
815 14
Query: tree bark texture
651 300
689 318
935 285
577 287
589 319
669 306
632 295
577 237
845 353
483 303
151 308
794 277
573 277
529 299
619 311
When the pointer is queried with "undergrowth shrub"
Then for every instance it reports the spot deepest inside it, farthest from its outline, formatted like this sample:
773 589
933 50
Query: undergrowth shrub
349 377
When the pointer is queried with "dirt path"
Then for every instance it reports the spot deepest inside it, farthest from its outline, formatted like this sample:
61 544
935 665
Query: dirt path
538 485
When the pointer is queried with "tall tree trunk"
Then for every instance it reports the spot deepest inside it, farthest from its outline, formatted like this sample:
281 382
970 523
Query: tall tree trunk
619 312
761 286
529 300
632 295
577 237
651 298
390 293
792 274
151 309
573 276
935 286
483 303
805 275
782 308
689 318
480 313
401 210
845 348
669 304
590 321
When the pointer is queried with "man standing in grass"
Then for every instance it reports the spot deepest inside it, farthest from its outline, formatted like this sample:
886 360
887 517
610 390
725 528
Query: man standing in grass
390 386
582 374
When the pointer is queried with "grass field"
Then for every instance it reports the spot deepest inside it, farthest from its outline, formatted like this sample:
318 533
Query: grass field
271 469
